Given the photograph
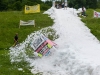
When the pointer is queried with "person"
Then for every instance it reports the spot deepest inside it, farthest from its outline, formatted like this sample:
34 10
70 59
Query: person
65 6
15 39
83 11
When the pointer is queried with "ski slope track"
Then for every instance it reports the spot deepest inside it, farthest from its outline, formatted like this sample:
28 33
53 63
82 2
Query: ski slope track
78 51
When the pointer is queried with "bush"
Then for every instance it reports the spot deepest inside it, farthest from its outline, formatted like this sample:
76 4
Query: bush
44 7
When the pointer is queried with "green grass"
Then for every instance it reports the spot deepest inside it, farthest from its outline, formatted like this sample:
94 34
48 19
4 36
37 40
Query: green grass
92 23
8 68
9 25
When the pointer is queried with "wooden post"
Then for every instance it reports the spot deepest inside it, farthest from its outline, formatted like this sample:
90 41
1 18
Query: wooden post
34 23
19 25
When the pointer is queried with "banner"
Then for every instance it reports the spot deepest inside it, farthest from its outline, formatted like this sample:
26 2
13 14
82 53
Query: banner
42 45
25 23
32 9
96 14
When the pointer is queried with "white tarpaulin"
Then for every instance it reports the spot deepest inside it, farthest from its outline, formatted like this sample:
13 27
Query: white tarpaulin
25 23
96 14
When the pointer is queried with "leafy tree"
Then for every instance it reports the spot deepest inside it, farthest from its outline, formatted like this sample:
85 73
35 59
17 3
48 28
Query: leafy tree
3 5
80 3
17 5
91 4
49 3
98 3
44 6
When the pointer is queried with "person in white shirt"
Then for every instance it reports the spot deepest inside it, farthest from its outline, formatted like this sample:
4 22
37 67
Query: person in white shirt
65 6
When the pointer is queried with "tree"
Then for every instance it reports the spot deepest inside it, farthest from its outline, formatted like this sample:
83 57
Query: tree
3 5
49 3
91 4
80 3
17 5
98 3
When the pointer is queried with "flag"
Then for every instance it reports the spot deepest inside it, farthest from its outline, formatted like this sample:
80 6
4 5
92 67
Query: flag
32 9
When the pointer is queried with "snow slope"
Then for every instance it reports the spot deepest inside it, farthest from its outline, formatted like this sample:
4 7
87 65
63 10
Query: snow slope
78 52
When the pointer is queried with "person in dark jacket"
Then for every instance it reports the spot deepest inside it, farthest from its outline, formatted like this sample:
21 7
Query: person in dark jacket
15 39
83 11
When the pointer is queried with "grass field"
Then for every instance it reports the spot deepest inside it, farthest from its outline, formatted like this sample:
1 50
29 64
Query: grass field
9 25
8 68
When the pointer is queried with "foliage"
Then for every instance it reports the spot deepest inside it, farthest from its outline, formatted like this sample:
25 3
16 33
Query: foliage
48 3
44 6
86 3
19 4
3 5
98 4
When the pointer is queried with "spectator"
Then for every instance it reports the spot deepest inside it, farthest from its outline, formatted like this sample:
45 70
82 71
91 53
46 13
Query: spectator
65 7
83 12
15 39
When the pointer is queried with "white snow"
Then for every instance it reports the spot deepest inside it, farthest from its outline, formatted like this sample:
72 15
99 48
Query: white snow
78 51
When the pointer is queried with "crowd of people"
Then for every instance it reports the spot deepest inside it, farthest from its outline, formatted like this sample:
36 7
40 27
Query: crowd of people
61 5
65 5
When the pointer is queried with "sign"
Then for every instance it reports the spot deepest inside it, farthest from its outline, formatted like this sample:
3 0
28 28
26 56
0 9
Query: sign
37 43
25 23
96 14
42 45
32 9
